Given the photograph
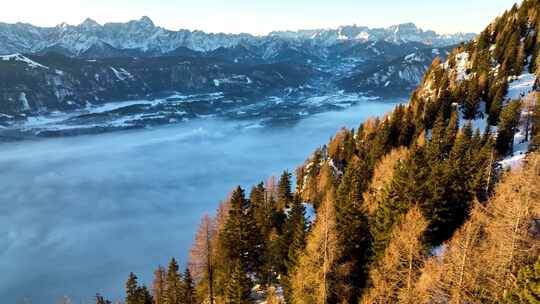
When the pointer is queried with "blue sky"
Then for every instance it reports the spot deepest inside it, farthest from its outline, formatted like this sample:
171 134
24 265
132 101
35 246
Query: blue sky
262 16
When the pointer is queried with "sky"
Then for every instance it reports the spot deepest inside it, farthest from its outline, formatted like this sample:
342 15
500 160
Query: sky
262 16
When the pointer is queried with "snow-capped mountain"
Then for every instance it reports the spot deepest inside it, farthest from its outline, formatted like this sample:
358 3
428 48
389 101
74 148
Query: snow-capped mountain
398 34
91 38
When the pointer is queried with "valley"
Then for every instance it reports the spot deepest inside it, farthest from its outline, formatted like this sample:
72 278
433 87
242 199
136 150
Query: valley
93 198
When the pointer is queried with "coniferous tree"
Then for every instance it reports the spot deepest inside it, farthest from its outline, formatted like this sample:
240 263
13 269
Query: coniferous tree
132 296
312 281
240 237
202 263
295 233
284 191
352 231
507 127
237 290
406 189
144 296
159 286
234 235
188 289
393 278
137 294
173 294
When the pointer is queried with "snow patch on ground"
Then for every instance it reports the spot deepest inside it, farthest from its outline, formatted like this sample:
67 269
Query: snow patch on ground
18 57
462 65
121 74
520 86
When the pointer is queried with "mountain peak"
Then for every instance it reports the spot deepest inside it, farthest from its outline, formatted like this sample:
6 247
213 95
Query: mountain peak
89 22
409 26
146 21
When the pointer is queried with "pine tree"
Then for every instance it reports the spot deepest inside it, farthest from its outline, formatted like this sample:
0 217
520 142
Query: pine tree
144 296
188 289
284 191
174 286
237 290
295 238
470 107
132 296
507 127
352 231
240 237
408 186
136 294
233 235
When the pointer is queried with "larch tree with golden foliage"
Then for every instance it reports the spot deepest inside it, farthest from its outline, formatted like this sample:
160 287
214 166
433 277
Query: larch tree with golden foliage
393 277
311 280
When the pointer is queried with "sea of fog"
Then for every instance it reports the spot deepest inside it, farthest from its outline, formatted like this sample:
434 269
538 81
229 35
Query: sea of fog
78 214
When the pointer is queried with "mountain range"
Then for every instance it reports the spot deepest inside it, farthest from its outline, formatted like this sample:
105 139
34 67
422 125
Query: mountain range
145 37
75 68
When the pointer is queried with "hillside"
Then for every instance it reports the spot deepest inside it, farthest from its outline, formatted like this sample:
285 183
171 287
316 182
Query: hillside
437 202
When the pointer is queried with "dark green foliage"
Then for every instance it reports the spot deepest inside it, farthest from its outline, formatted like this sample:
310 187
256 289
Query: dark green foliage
527 290
507 127
352 231
404 191
470 107
188 288
241 236
284 191
173 294
295 240
238 286
135 294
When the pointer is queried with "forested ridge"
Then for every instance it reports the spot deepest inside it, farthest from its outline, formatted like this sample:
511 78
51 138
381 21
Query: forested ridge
419 206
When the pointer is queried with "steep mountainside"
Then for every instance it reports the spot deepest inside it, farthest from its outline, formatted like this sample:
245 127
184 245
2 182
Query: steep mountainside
401 74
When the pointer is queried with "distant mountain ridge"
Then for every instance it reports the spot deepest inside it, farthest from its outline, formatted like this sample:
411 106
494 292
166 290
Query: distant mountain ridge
144 36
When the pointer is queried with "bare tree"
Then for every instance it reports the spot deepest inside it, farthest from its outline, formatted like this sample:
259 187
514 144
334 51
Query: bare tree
450 275
159 285
201 264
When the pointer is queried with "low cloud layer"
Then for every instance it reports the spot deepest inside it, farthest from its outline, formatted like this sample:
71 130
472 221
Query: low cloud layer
78 214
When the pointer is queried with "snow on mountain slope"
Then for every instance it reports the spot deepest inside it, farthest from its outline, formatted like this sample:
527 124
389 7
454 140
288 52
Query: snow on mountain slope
21 58
143 35
401 33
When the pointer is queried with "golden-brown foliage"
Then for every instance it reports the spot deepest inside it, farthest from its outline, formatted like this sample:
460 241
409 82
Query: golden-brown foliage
311 282
392 278
382 175
481 261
